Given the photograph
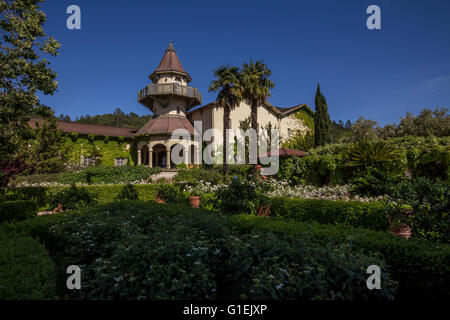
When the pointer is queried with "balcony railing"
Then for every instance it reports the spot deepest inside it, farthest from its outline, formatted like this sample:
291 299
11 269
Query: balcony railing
176 89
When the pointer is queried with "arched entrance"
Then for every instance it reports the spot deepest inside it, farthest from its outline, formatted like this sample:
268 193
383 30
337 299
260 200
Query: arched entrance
144 156
160 156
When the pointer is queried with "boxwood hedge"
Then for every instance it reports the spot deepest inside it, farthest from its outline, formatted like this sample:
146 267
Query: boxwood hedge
421 268
138 250
26 270
17 210
368 215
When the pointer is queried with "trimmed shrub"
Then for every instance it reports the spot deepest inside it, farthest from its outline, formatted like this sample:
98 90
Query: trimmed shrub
17 210
137 250
26 270
73 198
107 174
128 192
171 193
420 268
43 195
370 215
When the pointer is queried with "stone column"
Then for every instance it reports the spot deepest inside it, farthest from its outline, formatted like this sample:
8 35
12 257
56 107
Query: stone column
168 158
150 158
139 157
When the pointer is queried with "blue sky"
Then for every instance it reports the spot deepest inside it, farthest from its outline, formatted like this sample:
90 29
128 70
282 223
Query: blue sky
376 74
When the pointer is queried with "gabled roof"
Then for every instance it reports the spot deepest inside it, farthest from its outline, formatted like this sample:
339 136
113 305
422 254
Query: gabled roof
277 110
170 63
166 125
80 128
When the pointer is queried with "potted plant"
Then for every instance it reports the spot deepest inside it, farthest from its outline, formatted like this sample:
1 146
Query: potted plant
194 192
399 217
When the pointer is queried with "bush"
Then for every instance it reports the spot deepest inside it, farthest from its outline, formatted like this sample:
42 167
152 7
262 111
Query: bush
74 197
128 192
137 250
43 195
171 193
17 210
430 201
370 215
419 267
240 196
26 270
107 174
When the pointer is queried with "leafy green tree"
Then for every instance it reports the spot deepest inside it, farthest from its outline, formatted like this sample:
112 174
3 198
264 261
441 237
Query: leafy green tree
322 131
256 88
48 152
364 129
228 85
23 72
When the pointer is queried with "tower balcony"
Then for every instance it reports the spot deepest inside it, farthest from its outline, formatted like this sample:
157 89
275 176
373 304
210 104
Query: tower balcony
164 91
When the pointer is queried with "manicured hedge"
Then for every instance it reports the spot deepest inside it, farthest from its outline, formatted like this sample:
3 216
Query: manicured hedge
17 210
368 215
422 268
141 250
105 193
26 270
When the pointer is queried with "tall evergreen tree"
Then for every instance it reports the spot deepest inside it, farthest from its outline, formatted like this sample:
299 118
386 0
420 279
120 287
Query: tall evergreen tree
48 152
322 132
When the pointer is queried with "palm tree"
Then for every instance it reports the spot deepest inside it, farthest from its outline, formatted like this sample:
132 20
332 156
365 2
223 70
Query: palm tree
256 86
227 84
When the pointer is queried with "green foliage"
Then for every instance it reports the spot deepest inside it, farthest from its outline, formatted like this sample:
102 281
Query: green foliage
128 192
109 174
73 198
427 123
48 152
322 132
363 129
419 267
370 215
376 166
116 119
240 196
17 210
43 195
24 73
171 193
136 250
26 270
430 201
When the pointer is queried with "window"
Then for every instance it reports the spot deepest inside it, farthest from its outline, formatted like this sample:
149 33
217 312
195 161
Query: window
119 162
177 79
178 110
289 132
89 161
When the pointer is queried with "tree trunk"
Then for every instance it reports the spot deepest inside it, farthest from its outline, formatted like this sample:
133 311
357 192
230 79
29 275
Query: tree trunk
254 116
226 125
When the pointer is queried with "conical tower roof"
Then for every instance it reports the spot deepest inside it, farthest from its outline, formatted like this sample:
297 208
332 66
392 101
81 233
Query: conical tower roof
170 64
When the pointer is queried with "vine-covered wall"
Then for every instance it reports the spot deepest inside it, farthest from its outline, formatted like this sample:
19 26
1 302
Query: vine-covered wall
108 148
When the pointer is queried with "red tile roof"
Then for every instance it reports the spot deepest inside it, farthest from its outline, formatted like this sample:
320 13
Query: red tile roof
285 152
166 125
95 129
170 62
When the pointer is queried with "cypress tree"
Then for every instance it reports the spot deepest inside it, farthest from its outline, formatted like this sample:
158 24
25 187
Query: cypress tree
322 132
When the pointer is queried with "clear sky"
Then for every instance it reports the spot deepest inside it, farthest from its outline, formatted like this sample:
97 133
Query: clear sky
376 74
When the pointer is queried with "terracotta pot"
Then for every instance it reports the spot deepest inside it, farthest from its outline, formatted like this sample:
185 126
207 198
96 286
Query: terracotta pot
194 201
59 208
403 230
264 211
159 200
